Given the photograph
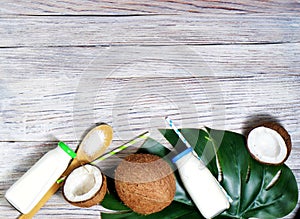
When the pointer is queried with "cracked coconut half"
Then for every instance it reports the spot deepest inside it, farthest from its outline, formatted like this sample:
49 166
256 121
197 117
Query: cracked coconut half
269 143
85 186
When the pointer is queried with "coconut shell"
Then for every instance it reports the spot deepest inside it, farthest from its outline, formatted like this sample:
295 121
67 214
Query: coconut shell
96 199
145 183
284 134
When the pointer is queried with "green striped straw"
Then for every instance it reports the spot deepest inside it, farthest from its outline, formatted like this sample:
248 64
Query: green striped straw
143 136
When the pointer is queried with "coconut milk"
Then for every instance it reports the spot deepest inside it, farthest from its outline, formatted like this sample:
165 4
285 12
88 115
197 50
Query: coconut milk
204 189
25 193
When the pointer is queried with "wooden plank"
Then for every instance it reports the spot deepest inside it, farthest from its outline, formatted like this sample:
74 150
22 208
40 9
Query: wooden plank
47 108
138 7
69 64
27 153
161 30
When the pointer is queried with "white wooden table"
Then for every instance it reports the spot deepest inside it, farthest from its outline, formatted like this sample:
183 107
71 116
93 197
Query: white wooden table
67 65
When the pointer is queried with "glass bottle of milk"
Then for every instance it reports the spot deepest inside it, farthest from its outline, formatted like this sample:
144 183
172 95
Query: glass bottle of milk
204 189
25 193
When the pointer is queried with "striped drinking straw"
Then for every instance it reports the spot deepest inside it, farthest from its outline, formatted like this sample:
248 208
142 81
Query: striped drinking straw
182 138
176 130
143 136
122 147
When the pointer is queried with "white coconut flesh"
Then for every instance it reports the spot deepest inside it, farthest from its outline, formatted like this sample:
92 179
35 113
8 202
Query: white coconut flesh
267 145
83 183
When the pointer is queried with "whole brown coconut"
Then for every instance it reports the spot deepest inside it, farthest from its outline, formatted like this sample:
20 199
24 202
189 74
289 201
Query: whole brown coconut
145 183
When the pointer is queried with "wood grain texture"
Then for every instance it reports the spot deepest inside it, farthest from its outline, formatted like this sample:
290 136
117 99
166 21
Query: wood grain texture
146 7
67 65
87 31
65 108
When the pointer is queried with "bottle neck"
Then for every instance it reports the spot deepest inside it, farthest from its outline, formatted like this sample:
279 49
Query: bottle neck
187 157
182 154
67 149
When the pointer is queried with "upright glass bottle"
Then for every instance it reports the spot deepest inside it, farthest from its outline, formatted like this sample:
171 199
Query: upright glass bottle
25 193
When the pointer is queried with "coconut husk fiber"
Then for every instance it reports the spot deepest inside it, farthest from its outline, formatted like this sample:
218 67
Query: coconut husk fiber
145 183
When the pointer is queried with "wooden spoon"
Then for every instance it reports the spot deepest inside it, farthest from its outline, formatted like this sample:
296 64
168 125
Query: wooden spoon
92 146
95 143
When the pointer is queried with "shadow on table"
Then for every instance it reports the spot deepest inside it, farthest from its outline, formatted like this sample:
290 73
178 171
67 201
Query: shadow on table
257 119
297 216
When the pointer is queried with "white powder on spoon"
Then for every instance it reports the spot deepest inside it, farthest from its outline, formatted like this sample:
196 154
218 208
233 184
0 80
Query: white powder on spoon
93 142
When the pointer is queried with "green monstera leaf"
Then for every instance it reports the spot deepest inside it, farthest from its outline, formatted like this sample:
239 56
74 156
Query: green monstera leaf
256 190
